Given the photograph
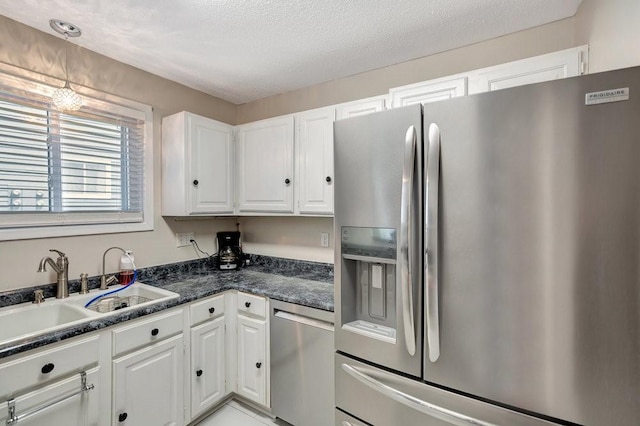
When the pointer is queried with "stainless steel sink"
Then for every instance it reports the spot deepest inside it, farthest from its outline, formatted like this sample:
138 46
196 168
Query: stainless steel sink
134 296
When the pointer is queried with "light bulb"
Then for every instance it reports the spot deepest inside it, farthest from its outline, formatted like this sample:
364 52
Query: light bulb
66 99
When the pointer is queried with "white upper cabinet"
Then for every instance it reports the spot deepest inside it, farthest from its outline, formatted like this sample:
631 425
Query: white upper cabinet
429 91
361 107
197 166
553 66
314 148
265 166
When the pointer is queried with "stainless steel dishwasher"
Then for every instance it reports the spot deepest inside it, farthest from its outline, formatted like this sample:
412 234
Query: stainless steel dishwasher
302 373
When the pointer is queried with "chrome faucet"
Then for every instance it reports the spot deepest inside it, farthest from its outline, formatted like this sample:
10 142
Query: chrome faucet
104 281
61 267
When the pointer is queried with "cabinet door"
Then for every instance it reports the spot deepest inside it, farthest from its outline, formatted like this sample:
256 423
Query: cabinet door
207 365
361 107
265 166
428 91
148 386
210 166
314 143
553 66
252 362
80 410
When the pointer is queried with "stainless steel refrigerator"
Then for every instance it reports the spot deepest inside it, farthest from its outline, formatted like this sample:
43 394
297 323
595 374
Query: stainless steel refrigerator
488 263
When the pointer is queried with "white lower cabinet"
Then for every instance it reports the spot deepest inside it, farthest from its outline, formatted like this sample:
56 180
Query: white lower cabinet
207 365
75 408
165 369
252 362
148 386
58 385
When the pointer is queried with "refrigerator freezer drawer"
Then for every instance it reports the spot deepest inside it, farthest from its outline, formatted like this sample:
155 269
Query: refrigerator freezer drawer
385 399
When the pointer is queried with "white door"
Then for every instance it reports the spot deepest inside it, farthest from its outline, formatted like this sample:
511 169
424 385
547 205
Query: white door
265 166
210 166
429 91
78 410
552 66
314 146
252 365
148 386
207 365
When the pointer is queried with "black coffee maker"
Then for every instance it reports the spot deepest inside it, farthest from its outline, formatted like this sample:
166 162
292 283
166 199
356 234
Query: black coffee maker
229 250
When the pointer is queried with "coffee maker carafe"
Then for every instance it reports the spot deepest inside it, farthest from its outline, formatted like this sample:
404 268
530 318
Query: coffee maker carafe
229 250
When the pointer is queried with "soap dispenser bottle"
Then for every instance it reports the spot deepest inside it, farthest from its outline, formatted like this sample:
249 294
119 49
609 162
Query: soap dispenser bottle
126 268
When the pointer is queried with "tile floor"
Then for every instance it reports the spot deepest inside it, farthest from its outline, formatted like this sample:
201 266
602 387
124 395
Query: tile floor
234 413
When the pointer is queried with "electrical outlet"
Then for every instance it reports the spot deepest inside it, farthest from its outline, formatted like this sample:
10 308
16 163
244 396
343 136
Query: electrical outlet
324 239
183 239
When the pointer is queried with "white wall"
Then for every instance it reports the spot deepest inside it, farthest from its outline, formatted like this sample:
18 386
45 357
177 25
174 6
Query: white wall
612 30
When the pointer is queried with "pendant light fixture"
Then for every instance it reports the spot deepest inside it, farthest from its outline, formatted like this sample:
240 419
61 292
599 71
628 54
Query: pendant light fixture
65 98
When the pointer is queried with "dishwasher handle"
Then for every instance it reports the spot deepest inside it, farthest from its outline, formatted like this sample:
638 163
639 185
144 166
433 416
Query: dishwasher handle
301 319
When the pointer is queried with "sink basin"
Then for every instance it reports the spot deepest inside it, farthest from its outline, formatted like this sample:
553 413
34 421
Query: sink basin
134 296
28 319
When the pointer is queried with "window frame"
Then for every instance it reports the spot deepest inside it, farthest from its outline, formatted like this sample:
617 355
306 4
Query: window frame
82 223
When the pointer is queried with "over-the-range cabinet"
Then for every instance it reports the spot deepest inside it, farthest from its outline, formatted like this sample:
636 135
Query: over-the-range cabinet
487 267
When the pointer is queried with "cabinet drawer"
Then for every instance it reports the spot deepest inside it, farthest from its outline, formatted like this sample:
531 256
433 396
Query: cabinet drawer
47 365
142 333
253 305
204 310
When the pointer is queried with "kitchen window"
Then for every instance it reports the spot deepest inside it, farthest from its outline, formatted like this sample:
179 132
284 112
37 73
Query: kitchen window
72 173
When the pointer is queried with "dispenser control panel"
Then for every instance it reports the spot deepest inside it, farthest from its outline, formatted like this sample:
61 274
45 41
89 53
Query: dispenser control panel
369 242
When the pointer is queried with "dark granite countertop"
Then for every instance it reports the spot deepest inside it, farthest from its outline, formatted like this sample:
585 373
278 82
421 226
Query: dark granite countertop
303 283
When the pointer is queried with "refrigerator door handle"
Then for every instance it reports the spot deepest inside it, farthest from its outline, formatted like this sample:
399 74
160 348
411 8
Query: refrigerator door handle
432 174
406 206
411 401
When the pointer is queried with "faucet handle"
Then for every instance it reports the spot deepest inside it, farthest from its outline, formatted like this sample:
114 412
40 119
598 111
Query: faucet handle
61 254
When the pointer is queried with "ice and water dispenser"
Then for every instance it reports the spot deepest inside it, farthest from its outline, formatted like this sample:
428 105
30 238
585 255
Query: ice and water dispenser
368 281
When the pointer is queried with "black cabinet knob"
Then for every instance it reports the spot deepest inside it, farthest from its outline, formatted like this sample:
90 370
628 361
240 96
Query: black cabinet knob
47 368
258 364
155 332
287 181
195 182
199 373
212 310
328 179
247 304
122 417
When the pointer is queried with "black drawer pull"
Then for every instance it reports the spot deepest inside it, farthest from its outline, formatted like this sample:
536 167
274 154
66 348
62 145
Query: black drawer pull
287 181
199 373
328 179
247 304
212 310
155 332
195 182
258 364
47 368
122 417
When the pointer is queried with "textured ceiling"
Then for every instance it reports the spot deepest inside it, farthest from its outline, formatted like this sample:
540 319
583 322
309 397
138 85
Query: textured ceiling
242 50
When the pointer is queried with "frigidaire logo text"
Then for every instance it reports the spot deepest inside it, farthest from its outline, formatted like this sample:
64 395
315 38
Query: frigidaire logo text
607 93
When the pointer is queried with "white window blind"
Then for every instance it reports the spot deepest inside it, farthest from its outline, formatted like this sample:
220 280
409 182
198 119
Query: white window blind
56 169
